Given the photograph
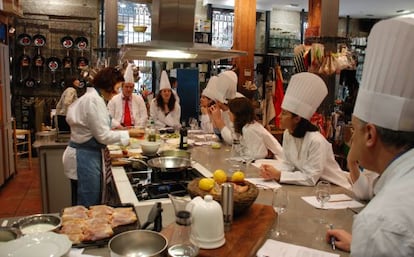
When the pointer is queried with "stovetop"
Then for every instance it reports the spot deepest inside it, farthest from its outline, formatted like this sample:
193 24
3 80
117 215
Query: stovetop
149 184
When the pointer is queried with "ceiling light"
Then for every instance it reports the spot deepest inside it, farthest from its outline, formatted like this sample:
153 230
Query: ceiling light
173 54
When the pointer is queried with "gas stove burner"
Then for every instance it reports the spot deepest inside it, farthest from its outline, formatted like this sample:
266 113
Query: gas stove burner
155 185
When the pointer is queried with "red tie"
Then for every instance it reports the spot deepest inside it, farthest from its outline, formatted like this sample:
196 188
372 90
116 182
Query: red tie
127 113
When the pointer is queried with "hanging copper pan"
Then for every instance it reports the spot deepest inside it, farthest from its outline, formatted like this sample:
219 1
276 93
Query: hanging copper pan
38 61
67 42
24 39
39 40
67 62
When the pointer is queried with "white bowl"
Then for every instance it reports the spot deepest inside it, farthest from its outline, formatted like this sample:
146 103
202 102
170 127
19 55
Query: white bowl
150 148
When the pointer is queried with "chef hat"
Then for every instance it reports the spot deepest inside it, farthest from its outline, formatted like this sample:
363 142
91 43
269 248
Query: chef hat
164 82
304 94
386 94
226 86
129 73
211 89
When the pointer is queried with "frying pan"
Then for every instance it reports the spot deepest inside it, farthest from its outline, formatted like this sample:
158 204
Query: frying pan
67 42
169 164
81 43
82 62
24 39
53 63
39 40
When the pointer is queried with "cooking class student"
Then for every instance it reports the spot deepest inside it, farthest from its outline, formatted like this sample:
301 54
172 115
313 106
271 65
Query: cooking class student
255 139
127 108
383 141
164 109
89 121
206 100
226 89
68 96
308 156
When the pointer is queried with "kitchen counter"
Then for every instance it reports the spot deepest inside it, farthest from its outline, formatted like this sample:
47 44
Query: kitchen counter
300 220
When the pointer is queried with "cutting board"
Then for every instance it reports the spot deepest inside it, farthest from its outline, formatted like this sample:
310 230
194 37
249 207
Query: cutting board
247 234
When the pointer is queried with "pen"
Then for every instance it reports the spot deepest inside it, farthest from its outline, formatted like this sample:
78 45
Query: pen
332 238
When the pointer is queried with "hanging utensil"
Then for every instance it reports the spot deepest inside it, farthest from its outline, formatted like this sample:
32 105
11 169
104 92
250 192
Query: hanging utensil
24 39
39 62
39 40
24 64
53 63
81 43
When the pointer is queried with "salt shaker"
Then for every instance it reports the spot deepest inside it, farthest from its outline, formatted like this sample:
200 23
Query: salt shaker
227 204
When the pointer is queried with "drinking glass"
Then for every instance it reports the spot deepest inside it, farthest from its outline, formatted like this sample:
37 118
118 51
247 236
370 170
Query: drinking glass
323 194
280 203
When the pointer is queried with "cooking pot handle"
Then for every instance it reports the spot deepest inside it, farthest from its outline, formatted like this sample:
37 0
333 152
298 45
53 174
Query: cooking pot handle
138 160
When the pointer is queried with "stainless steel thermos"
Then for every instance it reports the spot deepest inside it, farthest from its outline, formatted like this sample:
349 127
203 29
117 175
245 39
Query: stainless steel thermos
227 203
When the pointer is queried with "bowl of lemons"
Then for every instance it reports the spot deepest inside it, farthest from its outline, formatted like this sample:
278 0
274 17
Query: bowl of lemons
245 193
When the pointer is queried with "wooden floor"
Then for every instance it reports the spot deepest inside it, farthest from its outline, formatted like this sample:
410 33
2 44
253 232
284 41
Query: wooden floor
21 194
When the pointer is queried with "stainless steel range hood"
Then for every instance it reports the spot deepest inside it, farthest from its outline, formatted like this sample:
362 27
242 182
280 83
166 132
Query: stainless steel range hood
172 32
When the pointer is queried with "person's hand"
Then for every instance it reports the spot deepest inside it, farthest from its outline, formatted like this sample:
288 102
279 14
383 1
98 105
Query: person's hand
353 168
204 110
342 238
215 116
268 172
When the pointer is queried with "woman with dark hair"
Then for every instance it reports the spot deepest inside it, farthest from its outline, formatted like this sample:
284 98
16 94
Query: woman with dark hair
255 139
90 125
68 96
308 156
164 109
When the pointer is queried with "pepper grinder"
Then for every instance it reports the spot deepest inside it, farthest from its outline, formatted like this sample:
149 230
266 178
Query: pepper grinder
227 203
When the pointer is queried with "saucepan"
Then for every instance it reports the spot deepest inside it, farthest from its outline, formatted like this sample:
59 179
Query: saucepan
169 164
138 243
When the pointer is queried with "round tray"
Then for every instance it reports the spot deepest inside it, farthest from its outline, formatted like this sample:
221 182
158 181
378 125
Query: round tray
242 201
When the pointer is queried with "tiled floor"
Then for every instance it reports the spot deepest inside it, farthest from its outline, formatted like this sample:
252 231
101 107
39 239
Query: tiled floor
21 195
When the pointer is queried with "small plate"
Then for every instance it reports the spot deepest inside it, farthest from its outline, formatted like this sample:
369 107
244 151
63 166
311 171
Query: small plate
37 245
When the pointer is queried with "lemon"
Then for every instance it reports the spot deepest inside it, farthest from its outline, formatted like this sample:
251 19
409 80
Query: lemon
215 145
206 184
220 176
237 176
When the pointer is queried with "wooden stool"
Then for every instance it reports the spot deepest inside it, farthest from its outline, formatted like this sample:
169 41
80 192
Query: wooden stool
22 138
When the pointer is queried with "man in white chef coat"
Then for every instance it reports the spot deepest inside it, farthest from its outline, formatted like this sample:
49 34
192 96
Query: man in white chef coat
126 108
383 141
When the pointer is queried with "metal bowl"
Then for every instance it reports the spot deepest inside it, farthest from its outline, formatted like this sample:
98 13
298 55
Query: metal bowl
38 223
9 233
138 243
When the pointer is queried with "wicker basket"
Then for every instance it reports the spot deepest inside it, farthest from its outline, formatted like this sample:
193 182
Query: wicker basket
242 201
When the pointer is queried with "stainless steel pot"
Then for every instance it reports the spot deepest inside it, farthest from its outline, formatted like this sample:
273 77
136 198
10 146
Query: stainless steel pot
169 164
138 243
176 153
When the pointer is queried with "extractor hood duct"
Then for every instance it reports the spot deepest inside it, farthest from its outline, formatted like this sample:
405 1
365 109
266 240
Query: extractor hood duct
172 33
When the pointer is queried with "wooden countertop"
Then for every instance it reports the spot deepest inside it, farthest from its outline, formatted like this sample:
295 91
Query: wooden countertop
247 234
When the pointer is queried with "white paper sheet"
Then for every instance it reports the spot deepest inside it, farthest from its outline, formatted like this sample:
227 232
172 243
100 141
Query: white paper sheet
337 201
261 183
273 248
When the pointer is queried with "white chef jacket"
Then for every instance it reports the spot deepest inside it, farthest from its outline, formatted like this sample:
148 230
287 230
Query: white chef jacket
67 98
363 187
386 225
172 119
258 140
310 158
89 117
139 114
228 130
206 124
